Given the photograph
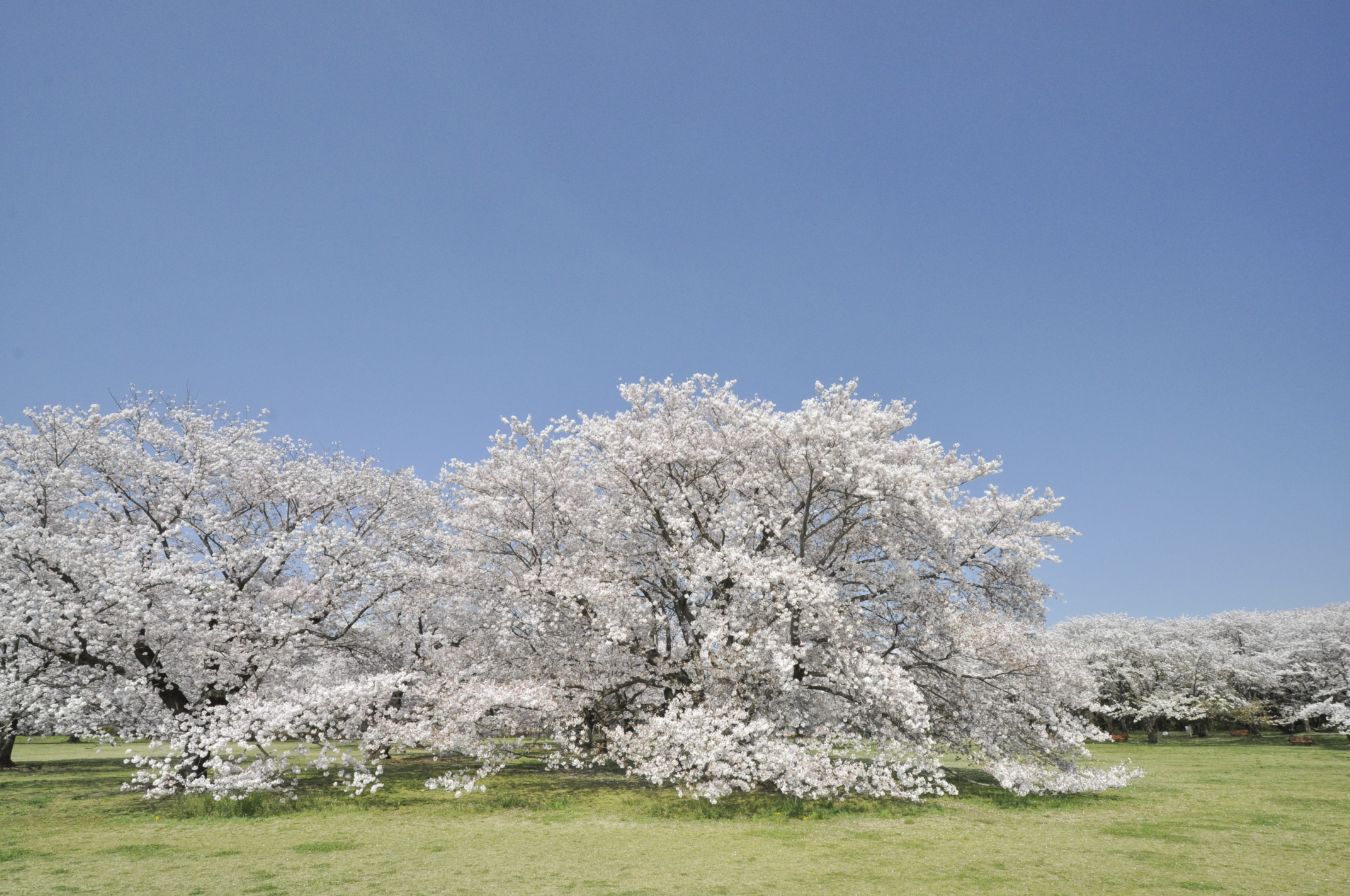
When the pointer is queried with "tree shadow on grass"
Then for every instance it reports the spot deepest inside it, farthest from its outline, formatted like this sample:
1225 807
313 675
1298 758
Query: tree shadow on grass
527 786
771 805
74 779
524 786
977 784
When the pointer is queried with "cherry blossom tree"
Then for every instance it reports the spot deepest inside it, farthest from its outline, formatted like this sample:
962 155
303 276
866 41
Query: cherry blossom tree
1316 666
723 595
182 553
1147 671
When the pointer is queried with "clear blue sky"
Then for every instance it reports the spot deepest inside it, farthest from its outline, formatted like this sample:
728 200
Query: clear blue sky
1110 243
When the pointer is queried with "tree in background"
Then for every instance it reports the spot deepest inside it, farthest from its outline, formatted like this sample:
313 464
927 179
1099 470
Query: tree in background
1147 671
1316 665
1291 667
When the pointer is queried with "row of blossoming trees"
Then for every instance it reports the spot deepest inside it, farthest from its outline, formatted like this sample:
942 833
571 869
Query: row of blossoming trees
1246 669
703 589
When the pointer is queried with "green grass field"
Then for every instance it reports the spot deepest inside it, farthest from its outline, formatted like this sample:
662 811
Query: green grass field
1214 816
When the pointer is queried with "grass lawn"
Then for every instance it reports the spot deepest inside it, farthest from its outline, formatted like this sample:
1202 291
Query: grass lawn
1213 816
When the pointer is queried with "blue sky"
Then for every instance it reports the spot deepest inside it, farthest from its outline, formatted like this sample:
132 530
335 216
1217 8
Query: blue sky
1110 243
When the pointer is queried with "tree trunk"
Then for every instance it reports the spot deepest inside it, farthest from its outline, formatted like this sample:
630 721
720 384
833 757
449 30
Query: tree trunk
7 748
1200 728
588 721
1152 731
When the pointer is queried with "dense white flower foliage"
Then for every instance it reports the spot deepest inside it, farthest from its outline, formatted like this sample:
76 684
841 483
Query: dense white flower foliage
703 589
1248 668
166 552
725 595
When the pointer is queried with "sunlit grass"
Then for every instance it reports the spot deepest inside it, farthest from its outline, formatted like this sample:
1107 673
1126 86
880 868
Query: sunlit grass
1220 815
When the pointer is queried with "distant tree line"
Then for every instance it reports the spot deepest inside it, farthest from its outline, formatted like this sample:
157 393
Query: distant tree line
1247 670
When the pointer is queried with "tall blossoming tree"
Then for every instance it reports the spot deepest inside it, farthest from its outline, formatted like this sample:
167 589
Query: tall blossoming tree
724 595
183 554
